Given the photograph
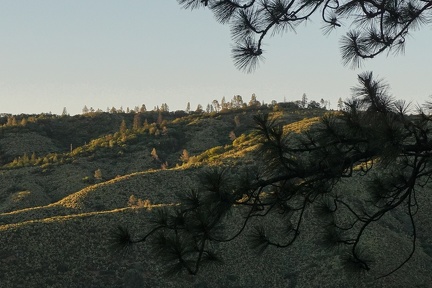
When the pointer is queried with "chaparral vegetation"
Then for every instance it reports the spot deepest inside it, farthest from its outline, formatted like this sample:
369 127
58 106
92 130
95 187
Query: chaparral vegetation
235 193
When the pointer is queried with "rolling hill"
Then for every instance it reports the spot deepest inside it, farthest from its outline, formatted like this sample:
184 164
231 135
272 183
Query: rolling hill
66 183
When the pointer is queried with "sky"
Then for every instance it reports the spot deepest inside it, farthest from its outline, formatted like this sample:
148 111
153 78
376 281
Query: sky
109 53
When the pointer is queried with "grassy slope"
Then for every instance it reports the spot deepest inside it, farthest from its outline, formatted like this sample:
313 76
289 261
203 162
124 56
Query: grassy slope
55 228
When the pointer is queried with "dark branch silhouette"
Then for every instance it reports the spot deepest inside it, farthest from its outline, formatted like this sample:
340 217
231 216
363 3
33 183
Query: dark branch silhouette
301 172
373 136
377 26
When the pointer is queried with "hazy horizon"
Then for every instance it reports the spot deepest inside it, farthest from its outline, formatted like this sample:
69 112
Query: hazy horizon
101 54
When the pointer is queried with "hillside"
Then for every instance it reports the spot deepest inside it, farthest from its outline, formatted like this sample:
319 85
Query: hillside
66 183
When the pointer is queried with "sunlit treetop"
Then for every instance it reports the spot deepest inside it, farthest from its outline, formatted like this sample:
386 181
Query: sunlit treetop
376 25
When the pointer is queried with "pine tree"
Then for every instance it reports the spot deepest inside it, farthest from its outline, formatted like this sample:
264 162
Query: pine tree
11 121
237 102
297 175
25 159
85 110
224 105
160 118
164 107
98 174
154 154
304 101
376 27
216 106
323 103
184 156
65 113
145 124
340 104
199 109
253 101
123 127
137 121
33 158
237 121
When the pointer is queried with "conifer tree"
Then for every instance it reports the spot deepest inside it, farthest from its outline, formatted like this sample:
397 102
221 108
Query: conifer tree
216 106
33 158
304 101
137 121
143 108
376 27
253 101
85 110
98 174
11 121
184 156
23 121
297 174
123 127
145 124
65 113
164 107
160 118
199 109
224 104
154 154
340 104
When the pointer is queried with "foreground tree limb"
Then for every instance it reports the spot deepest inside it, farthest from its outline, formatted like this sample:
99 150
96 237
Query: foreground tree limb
300 173
377 26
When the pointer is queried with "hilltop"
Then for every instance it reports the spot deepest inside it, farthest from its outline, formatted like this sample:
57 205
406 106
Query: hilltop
66 182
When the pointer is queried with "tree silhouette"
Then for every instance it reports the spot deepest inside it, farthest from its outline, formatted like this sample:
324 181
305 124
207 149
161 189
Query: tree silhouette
304 101
376 25
299 174
65 113
123 127
136 121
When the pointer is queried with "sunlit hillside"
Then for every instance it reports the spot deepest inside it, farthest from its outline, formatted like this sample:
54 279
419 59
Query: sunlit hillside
68 182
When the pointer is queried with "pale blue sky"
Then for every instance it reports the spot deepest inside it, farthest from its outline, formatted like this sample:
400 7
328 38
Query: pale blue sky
104 53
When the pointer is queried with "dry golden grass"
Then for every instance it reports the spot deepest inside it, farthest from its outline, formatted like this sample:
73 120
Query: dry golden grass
56 230
302 125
